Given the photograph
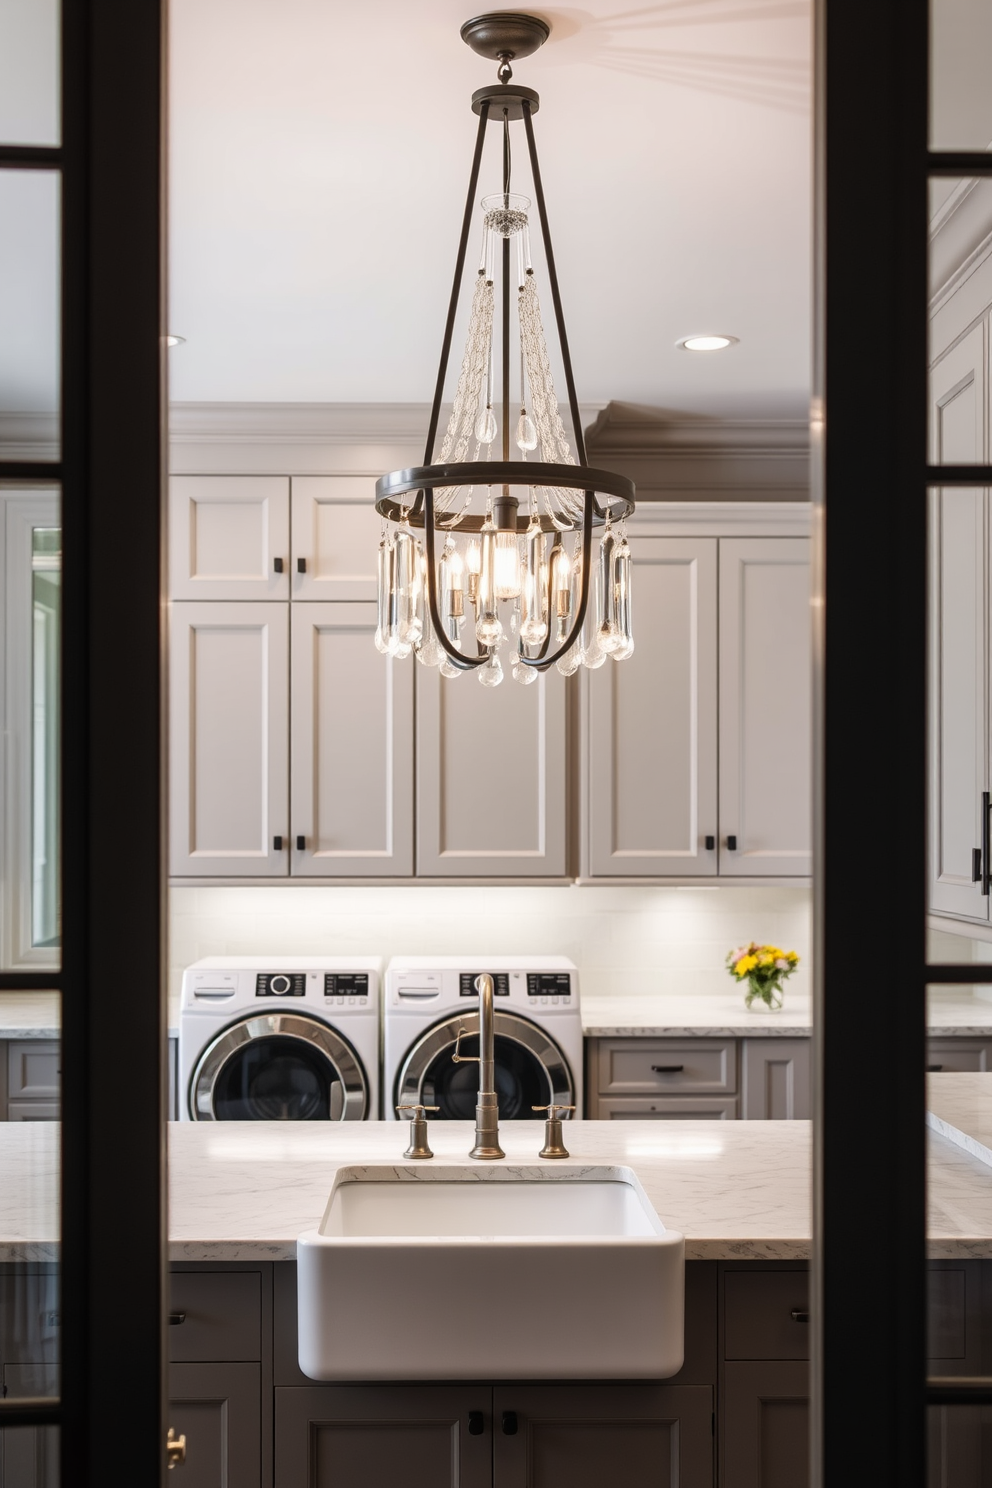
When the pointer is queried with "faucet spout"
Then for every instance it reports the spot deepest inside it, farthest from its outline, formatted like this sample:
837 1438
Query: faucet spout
487 1147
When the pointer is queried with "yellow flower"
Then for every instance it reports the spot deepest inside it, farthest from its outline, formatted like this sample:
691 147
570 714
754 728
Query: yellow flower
746 964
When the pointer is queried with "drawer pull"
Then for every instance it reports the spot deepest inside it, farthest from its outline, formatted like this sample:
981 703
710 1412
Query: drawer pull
799 1315
476 1424
932 1069
509 1423
710 844
668 1069
277 565
732 844
175 1318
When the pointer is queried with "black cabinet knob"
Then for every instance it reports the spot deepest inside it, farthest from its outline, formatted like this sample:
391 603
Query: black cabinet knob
732 844
277 565
277 844
301 843
710 843
301 565
476 1423
509 1423
175 1318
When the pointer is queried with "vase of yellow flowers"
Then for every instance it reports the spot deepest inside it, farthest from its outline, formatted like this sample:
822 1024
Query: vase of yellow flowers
764 968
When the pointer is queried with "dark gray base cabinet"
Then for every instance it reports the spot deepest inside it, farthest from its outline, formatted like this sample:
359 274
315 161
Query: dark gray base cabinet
218 1408
503 1436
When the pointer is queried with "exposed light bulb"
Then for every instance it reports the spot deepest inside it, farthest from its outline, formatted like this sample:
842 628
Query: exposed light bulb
507 566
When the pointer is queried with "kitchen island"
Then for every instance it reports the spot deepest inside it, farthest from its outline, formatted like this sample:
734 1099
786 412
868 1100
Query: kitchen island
739 1192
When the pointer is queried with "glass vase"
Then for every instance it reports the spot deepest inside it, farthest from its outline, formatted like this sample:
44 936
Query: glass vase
766 993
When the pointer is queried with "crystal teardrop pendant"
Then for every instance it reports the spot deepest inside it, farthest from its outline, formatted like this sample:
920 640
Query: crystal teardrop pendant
491 672
526 431
485 426
523 674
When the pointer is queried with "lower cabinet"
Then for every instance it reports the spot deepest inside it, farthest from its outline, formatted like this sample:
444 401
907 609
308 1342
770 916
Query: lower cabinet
503 1436
218 1408
766 1425
29 1081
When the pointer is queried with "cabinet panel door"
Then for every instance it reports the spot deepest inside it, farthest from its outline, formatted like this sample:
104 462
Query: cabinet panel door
218 1408
585 1436
229 744
959 658
363 1436
29 1455
650 723
775 1079
352 747
491 776
959 1055
766 759
766 1425
227 533
33 1069
335 537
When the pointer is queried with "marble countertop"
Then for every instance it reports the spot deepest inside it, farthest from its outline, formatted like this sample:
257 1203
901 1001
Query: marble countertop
959 1107
735 1189
949 1015
29 1015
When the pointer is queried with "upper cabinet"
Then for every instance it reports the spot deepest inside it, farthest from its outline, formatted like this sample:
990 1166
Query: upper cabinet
650 724
229 537
959 641
491 777
765 734
697 750
298 752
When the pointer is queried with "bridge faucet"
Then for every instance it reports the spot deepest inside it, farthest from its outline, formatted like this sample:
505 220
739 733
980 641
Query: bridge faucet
487 1146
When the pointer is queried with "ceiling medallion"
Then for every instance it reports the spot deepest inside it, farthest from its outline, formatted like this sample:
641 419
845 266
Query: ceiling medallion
481 552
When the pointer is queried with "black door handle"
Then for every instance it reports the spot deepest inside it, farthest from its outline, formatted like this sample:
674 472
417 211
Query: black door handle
986 869
277 844
732 844
301 843
301 565
509 1423
277 565
710 843
799 1315
175 1318
476 1423
933 1069
668 1069
976 864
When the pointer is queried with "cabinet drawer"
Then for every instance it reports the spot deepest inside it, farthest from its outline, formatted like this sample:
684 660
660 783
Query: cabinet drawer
758 1309
32 1110
33 1069
702 1066
959 1055
215 1315
691 1108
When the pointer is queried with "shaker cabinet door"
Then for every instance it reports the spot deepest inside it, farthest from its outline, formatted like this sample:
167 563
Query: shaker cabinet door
650 723
352 747
765 708
491 776
959 655
218 1408
335 537
229 537
229 739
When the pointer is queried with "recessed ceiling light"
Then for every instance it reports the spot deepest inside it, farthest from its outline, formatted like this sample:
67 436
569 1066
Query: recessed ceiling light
706 343
175 340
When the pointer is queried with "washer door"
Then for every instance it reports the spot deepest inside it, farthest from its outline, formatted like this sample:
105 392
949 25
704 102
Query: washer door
278 1067
530 1069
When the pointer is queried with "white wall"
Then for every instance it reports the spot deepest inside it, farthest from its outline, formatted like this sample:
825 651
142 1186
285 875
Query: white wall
624 940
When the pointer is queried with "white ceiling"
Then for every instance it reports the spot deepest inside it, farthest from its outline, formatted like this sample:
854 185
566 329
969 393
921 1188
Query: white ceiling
319 161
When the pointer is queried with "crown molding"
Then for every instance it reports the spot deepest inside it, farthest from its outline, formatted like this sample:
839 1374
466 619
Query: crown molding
29 436
308 423
676 457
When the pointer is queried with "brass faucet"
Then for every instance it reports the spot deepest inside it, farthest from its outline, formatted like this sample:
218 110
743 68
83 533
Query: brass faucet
487 1146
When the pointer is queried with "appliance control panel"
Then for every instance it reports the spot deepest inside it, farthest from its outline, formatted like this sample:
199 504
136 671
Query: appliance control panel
467 987
281 984
549 984
346 984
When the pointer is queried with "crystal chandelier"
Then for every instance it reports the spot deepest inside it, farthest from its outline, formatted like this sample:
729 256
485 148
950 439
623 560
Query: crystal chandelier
481 552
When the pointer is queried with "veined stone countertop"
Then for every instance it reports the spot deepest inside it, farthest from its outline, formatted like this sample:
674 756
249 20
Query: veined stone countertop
959 1107
735 1189
949 1015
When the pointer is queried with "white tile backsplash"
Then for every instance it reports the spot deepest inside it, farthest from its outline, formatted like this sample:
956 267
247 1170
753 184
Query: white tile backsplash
625 941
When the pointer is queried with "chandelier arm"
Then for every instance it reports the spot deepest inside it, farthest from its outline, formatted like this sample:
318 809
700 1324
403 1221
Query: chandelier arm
464 663
449 324
542 212
542 663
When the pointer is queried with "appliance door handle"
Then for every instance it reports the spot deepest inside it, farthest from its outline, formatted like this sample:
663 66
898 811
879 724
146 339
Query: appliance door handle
668 1069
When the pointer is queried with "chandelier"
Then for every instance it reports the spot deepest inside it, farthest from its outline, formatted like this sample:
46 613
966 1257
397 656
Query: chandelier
485 549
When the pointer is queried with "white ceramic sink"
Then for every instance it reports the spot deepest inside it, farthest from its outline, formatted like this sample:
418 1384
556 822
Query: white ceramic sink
490 1273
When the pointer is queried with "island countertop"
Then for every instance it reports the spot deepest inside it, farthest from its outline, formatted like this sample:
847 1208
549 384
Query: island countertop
736 1189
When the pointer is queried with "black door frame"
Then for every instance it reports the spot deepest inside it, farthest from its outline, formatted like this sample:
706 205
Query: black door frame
111 1408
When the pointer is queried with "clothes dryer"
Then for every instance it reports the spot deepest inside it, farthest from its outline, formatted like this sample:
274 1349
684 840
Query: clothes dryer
281 1038
538 1034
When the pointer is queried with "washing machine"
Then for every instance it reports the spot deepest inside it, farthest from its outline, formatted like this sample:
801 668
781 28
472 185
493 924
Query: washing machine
538 1034
285 1038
